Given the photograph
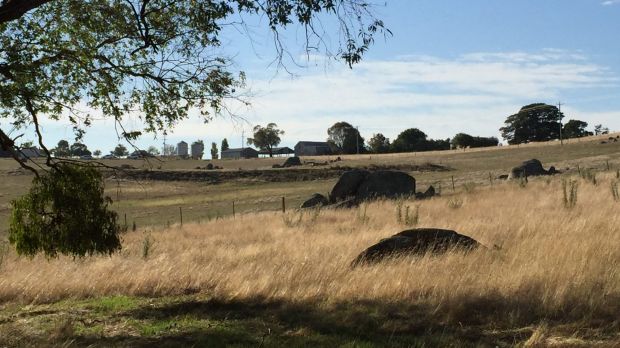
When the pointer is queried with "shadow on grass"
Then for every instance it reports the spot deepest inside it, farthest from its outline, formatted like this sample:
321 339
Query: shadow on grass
192 321
213 323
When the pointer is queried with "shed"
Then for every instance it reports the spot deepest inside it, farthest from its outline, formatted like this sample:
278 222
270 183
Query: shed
277 152
312 148
246 152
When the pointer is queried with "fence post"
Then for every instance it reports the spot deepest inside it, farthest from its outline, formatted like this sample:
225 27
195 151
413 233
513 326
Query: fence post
125 220
453 188
233 209
579 169
490 178
607 162
283 204
181 215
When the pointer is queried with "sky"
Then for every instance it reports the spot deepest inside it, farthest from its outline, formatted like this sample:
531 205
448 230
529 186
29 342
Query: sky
450 66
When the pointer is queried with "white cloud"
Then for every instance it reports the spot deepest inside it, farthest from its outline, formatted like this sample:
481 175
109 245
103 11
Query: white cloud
610 2
472 93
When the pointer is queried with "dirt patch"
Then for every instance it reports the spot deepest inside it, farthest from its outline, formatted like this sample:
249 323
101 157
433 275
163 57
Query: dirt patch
267 175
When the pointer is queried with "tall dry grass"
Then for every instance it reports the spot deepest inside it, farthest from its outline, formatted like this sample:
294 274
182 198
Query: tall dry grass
553 262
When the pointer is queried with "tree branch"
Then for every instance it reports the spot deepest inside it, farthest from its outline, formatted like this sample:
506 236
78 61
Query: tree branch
7 144
13 9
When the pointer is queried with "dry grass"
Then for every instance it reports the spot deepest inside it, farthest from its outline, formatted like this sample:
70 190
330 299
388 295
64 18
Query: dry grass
554 262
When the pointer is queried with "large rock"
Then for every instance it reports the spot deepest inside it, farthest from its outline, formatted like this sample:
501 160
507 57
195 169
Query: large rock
386 184
317 200
347 185
291 162
532 167
419 241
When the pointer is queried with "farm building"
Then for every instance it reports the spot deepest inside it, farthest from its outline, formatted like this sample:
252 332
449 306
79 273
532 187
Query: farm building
182 149
277 152
246 152
30 152
312 148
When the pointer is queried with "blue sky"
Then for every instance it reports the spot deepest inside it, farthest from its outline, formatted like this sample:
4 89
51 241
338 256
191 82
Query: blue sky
450 66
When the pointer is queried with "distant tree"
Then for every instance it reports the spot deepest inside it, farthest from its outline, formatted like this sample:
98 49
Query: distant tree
379 143
463 140
534 122
97 153
437 145
485 141
344 138
575 129
225 145
153 151
214 152
62 149
120 151
410 140
26 144
79 149
600 130
266 138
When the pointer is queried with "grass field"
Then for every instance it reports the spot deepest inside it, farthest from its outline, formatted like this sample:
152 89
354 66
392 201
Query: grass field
156 203
549 278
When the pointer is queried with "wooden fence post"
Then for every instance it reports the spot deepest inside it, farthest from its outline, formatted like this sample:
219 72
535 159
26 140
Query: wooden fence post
453 188
607 162
181 215
283 204
490 178
233 209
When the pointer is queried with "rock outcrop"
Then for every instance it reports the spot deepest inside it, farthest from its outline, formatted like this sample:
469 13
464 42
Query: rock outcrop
419 241
532 167
317 200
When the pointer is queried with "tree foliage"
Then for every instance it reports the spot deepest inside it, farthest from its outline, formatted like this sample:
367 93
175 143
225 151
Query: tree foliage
155 59
379 144
415 140
534 122
266 138
225 144
214 151
153 151
463 140
79 149
410 140
62 149
26 144
344 138
120 151
599 129
65 212
575 129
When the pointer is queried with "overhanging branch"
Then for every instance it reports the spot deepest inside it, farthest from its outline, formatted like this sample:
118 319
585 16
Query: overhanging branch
14 9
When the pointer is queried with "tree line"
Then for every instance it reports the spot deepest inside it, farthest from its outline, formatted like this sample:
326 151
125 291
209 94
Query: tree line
343 138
